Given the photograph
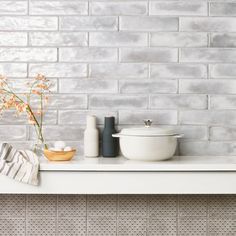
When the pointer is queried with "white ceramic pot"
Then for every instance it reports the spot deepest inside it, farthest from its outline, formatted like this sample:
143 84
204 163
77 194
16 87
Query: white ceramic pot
147 144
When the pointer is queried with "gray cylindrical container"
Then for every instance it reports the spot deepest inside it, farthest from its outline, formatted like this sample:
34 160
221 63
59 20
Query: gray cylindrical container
110 145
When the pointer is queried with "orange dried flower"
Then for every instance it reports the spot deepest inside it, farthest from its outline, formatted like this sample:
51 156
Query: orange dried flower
34 91
43 86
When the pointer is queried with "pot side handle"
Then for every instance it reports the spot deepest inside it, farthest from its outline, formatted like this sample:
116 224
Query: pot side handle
179 135
117 135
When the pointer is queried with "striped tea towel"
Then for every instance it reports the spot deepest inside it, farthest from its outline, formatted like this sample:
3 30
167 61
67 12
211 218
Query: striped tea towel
21 165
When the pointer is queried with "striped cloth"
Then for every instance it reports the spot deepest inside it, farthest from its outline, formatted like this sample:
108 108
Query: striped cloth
20 165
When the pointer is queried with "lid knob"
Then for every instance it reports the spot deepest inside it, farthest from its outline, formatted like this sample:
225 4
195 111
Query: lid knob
147 123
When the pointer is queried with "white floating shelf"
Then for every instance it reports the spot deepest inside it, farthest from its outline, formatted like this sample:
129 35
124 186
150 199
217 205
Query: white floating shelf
179 175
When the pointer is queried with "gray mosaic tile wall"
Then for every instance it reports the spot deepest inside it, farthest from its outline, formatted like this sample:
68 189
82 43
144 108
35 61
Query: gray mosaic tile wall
171 61
100 215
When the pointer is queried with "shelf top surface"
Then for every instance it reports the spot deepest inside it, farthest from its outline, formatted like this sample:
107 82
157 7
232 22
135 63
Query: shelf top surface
177 163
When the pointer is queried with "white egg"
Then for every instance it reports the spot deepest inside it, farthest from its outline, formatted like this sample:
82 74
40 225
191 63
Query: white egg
67 149
56 149
59 145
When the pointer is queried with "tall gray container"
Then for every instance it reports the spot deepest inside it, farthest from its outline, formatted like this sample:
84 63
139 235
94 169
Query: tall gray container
110 145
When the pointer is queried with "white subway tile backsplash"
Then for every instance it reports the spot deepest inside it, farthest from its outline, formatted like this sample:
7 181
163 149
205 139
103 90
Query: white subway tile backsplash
59 39
223 9
88 86
87 23
178 71
88 54
76 117
69 7
179 8
118 39
211 148
148 55
13 8
223 40
208 24
58 69
118 101
207 55
12 39
123 70
10 118
179 39
12 132
67 101
13 69
223 71
119 8
180 101
54 133
148 23
135 117
28 54
218 133
207 86
25 23
210 117
148 86
172 61
222 102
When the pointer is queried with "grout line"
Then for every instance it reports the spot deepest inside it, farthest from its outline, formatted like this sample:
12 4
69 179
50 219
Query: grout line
26 203
177 217
117 219
207 226
86 214
56 214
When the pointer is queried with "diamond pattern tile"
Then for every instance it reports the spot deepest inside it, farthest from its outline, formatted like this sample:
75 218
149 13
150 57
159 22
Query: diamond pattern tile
222 226
222 205
41 227
132 226
72 226
12 227
189 226
71 205
102 226
162 226
102 205
41 205
12 206
164 205
193 205
133 205
123 215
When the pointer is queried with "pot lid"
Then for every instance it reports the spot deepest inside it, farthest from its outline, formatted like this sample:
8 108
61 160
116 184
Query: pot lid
147 130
